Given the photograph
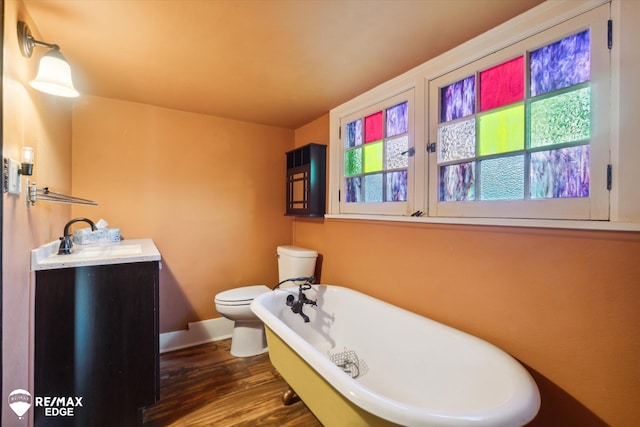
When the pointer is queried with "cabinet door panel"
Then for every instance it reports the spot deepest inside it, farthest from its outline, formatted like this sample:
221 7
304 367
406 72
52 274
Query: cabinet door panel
97 338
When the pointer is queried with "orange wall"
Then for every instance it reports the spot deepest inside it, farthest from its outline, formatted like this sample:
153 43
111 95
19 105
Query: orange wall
563 302
43 122
209 191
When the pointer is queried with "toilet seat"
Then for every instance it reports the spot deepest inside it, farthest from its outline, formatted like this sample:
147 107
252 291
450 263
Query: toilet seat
241 296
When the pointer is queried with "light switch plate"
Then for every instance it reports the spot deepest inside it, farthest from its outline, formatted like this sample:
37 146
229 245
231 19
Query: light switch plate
13 180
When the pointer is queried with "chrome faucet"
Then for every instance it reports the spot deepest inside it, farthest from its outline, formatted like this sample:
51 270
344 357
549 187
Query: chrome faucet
66 244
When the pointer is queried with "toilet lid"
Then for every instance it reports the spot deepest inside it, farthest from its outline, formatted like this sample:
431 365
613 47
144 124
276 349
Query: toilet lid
238 296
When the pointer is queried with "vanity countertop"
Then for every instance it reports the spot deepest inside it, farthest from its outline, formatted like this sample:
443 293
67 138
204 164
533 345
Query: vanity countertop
126 251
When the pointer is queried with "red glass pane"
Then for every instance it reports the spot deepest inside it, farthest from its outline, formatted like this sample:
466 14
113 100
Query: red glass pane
502 84
373 127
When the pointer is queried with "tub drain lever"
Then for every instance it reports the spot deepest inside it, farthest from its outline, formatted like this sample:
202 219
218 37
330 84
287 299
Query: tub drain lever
296 306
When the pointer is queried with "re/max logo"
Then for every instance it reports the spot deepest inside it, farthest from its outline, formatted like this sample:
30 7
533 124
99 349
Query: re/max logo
58 406
58 401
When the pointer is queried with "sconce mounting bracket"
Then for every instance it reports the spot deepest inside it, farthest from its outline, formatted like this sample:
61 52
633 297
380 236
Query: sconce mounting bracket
27 42
25 39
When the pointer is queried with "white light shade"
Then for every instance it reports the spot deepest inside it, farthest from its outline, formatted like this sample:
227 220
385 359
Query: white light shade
27 155
54 76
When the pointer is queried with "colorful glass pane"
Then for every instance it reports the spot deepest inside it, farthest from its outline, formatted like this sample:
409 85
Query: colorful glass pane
501 131
397 153
502 84
457 141
458 99
354 189
561 118
560 173
397 186
502 178
353 161
561 64
373 157
457 182
373 188
353 134
397 119
373 127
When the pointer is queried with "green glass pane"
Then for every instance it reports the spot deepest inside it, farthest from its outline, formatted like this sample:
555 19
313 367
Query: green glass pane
397 153
561 118
373 157
457 140
353 162
373 188
501 131
502 178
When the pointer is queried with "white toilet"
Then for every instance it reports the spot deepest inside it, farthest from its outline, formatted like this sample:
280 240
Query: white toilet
248 331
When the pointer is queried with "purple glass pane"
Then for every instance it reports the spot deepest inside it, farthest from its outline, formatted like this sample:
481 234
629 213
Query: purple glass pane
397 186
354 134
560 173
353 189
458 99
457 182
397 119
561 64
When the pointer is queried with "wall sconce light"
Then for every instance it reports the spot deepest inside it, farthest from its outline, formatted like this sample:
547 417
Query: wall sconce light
26 167
54 73
11 171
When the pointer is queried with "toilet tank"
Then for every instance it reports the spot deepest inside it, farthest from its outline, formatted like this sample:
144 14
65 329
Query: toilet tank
294 261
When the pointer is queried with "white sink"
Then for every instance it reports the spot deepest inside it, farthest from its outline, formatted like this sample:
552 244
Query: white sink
104 251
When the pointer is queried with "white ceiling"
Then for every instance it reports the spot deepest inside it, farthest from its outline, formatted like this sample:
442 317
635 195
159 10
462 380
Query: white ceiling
276 62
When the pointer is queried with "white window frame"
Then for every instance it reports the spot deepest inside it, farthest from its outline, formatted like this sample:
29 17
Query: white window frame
624 211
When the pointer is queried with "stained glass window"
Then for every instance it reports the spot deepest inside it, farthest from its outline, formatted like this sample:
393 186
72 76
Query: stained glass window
373 127
457 140
373 157
458 99
502 84
354 189
561 64
561 118
457 182
353 162
519 146
376 156
501 131
396 154
353 135
502 178
560 173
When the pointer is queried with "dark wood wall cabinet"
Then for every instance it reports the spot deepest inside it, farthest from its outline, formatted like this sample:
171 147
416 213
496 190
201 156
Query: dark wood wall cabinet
96 339
306 180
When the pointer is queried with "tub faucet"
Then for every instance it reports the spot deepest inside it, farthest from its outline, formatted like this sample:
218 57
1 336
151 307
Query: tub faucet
66 243
296 306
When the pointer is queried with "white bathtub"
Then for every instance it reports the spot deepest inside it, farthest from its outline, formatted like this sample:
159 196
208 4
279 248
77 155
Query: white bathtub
413 371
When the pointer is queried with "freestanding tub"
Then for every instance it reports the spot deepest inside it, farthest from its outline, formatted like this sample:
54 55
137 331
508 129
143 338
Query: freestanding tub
409 370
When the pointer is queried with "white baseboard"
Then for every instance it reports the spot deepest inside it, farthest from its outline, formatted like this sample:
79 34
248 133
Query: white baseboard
197 333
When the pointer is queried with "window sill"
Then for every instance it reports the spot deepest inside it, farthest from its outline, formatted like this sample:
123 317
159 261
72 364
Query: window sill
497 222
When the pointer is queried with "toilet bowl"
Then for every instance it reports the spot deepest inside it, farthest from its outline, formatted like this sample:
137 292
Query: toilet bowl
248 337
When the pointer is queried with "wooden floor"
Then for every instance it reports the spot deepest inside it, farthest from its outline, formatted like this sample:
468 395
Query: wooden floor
206 386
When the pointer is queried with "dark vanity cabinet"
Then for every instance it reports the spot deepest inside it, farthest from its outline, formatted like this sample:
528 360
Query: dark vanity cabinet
96 344
306 180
